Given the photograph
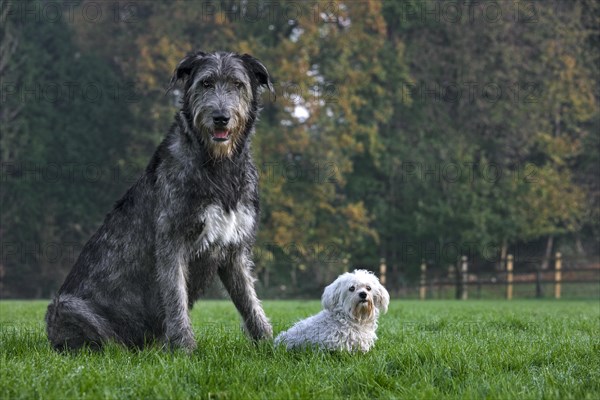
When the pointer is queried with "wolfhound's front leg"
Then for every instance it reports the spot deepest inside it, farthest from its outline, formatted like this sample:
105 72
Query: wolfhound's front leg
171 274
236 276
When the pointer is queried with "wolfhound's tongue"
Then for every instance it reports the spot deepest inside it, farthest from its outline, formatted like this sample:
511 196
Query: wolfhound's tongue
221 134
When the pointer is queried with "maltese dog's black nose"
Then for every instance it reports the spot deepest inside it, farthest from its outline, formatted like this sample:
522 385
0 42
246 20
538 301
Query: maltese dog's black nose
363 295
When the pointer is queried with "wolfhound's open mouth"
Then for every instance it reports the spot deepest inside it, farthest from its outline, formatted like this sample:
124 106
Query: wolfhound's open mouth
221 135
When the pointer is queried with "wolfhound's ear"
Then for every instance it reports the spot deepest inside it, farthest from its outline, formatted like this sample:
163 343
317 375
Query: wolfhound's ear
381 297
331 296
259 70
185 67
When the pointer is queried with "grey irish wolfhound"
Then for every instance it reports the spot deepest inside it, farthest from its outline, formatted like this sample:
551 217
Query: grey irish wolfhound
193 214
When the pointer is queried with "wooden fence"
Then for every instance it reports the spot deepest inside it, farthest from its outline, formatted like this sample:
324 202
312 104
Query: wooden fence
467 283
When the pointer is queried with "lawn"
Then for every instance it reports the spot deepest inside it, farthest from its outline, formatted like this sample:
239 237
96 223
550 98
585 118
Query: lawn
428 350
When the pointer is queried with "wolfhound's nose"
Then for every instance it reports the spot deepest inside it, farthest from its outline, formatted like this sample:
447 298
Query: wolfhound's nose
220 119
363 295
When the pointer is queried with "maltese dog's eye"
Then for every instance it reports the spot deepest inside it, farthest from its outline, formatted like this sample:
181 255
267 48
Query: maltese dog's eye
352 288
369 288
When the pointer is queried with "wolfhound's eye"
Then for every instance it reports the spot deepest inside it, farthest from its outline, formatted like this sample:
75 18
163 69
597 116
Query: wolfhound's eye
207 84
238 84
369 288
352 288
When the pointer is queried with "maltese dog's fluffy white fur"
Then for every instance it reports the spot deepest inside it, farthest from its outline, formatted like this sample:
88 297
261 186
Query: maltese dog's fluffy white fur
351 306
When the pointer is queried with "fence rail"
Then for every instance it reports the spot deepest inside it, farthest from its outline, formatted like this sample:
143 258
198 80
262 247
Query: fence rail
465 282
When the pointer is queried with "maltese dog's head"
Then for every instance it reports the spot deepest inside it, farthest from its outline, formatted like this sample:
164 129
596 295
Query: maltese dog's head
357 294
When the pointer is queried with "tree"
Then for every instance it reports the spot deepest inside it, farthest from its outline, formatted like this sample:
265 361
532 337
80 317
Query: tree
58 158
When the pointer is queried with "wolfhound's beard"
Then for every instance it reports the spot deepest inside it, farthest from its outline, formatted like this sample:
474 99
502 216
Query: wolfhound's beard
220 142
363 310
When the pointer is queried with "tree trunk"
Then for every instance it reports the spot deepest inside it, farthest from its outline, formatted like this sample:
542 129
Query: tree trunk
544 266
538 284
501 264
548 253
458 292
266 276
579 246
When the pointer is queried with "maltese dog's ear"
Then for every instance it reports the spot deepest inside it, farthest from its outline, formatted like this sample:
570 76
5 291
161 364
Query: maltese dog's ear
332 296
381 297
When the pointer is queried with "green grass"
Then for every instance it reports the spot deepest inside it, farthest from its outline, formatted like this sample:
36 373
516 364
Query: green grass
428 350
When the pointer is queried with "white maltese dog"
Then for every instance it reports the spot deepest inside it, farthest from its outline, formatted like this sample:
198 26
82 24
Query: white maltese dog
351 305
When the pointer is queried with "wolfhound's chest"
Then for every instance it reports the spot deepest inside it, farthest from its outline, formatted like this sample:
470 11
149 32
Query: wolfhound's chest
222 228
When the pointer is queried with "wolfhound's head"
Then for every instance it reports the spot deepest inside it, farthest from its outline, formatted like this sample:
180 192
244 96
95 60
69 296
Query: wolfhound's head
221 96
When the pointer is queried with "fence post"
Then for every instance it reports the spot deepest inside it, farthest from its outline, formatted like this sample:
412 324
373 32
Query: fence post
463 271
509 277
557 275
382 271
423 288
